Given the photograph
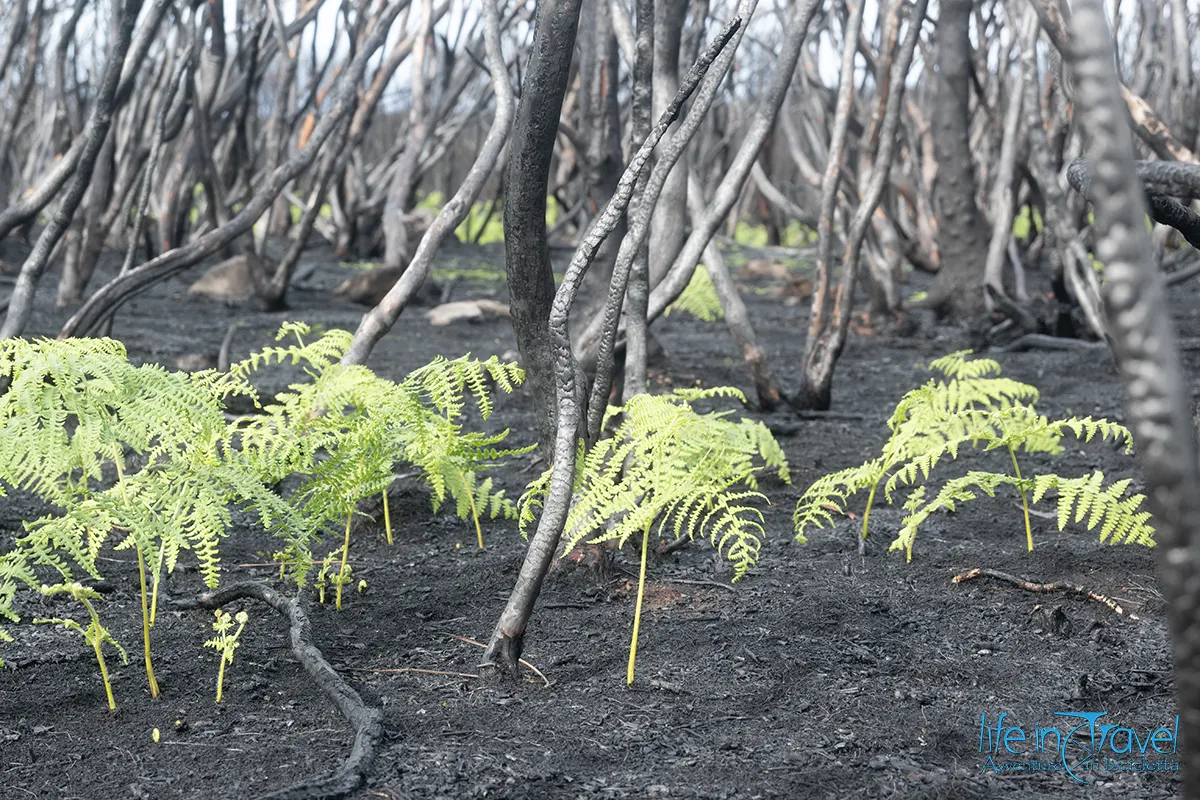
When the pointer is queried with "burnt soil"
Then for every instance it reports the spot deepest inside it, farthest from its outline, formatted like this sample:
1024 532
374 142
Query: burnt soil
822 673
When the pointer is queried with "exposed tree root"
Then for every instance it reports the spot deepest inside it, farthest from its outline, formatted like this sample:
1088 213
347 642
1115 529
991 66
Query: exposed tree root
366 720
1030 586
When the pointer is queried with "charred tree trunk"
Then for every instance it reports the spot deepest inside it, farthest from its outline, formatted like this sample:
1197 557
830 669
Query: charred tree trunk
957 291
670 215
526 254
600 127
638 289
504 650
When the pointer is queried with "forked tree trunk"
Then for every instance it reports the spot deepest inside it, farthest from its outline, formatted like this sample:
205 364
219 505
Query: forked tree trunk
504 649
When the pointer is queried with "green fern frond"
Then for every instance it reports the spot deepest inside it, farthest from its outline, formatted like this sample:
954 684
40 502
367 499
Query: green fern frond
954 491
957 366
976 407
1122 519
830 493
75 406
668 464
699 298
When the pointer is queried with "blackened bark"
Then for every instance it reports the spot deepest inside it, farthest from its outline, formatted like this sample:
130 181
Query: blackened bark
957 292
600 129
670 215
638 290
526 255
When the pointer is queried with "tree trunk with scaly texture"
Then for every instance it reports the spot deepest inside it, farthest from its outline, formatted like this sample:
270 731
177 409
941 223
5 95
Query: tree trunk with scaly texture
1148 356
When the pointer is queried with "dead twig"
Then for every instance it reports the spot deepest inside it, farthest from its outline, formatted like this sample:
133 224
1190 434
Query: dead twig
1042 588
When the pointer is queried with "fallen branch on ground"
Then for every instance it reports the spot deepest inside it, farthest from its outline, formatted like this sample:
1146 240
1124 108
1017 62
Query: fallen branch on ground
367 721
1042 588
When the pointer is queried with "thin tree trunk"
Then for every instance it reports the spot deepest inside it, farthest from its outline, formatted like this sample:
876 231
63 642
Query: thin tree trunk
638 301
527 256
1002 195
397 249
670 213
599 338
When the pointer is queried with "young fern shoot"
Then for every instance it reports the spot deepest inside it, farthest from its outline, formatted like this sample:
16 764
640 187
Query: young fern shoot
226 642
94 634
667 464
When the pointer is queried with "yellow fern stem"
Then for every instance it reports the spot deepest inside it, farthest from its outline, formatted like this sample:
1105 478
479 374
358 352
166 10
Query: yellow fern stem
1024 500
637 612
342 568
867 511
146 625
112 703
387 518
97 640
220 677
154 590
474 512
